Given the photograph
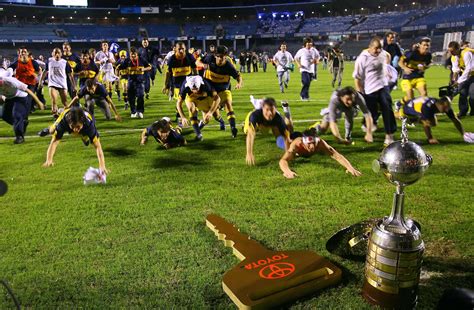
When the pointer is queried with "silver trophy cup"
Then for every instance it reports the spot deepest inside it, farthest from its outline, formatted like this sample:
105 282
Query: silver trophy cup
395 248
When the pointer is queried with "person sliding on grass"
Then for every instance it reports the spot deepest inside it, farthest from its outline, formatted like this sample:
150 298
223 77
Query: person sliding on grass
78 122
306 146
164 133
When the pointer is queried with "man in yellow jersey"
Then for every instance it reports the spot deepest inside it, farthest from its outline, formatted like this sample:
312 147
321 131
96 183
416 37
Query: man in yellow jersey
463 69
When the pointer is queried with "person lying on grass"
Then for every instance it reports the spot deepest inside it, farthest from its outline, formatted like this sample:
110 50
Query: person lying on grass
78 122
164 133
306 146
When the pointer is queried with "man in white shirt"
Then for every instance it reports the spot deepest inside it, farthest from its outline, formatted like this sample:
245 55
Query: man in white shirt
463 69
14 104
58 71
370 77
105 60
283 60
306 58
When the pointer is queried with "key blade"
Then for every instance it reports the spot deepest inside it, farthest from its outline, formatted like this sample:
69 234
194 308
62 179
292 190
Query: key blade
243 247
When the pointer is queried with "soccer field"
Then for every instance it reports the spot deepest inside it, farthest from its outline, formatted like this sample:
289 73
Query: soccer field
140 241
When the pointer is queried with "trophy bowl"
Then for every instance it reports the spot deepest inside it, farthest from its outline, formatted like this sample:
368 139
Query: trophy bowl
402 162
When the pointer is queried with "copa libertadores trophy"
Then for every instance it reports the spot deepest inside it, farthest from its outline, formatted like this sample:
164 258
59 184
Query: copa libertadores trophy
395 248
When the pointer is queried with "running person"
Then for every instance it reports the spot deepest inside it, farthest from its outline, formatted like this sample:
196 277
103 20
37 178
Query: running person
73 60
27 71
87 69
414 64
59 73
336 66
105 60
137 67
180 65
219 69
308 145
199 95
95 94
79 122
16 107
283 60
164 133
122 72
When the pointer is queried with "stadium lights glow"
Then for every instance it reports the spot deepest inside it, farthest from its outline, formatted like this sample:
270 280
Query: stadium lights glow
379 6
108 12
413 3
14 16
203 16
70 17
34 16
52 17
345 10
75 12
312 12
274 15
361 9
219 16
105 17
123 18
288 15
329 11
235 16
282 15
88 17
396 5
139 17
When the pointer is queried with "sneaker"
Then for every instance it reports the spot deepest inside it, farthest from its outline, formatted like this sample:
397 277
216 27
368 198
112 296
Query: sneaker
284 104
304 99
234 132
286 85
201 125
19 140
133 115
140 115
125 106
147 96
387 142
43 132
222 125
199 137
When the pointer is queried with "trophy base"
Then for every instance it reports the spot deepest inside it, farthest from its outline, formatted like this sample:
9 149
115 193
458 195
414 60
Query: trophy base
406 298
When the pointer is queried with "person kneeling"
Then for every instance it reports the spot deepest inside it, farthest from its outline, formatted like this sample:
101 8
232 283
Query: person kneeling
307 146
78 122
164 134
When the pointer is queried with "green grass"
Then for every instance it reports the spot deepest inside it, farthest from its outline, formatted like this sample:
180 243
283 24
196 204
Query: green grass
140 241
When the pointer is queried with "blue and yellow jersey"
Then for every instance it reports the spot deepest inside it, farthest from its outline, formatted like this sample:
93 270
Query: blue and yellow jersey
174 138
73 60
88 130
219 76
100 92
206 90
256 120
122 69
135 69
412 59
424 108
179 68
86 72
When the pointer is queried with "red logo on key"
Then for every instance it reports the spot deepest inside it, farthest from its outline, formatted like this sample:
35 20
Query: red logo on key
277 271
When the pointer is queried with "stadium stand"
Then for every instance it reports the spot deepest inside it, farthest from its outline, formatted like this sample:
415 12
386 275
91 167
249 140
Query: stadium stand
458 13
389 20
328 24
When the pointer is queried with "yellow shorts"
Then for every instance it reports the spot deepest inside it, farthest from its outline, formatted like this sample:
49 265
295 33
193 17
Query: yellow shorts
408 85
123 81
203 105
175 93
225 95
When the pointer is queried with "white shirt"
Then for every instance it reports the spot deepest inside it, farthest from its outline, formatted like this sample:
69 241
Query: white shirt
10 88
469 66
57 73
371 70
306 57
315 52
283 60
106 60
